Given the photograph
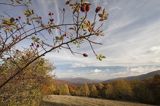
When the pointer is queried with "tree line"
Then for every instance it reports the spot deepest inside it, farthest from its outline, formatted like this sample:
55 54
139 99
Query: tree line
144 91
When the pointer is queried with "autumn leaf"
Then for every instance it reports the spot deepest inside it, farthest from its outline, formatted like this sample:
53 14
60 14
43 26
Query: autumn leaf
59 38
100 57
87 24
103 16
9 21
35 39
28 12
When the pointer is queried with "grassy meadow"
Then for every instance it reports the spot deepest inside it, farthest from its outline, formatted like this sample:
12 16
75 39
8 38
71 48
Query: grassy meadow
61 100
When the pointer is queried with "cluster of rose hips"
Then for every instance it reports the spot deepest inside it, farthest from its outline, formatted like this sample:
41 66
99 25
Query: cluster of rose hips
34 45
51 15
18 18
85 7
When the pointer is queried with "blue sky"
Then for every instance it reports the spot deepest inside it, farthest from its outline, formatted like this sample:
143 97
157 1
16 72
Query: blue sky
131 42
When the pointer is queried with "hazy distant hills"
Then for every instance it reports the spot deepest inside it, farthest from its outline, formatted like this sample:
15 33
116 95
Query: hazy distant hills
80 80
139 77
144 76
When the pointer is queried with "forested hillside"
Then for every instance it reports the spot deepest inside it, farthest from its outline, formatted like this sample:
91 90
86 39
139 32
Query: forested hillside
144 91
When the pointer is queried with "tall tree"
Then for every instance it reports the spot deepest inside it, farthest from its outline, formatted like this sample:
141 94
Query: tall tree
64 90
122 89
86 89
109 91
93 91
26 88
101 90
155 87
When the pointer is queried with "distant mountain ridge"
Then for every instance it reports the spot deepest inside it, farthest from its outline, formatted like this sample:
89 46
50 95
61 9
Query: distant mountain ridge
144 76
80 80
139 77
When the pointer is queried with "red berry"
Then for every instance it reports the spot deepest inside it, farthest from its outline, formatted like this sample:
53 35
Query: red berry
32 44
51 20
98 9
65 34
83 8
49 13
85 55
67 2
87 7
37 45
17 50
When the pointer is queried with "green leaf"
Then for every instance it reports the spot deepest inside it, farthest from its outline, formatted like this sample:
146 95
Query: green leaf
100 57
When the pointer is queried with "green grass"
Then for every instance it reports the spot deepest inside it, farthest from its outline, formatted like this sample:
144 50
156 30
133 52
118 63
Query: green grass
61 100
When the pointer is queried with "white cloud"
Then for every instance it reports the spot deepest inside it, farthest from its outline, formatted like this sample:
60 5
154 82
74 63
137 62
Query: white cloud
76 64
97 71
155 49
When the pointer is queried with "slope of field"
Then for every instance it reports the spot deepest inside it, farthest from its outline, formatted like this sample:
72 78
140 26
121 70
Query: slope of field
59 100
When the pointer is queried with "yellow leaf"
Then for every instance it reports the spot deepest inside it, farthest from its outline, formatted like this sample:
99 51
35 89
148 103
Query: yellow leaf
28 12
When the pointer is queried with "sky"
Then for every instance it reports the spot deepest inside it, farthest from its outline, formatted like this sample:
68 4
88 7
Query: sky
131 43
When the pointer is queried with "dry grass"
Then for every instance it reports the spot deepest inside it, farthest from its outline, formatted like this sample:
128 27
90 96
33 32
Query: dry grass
59 100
